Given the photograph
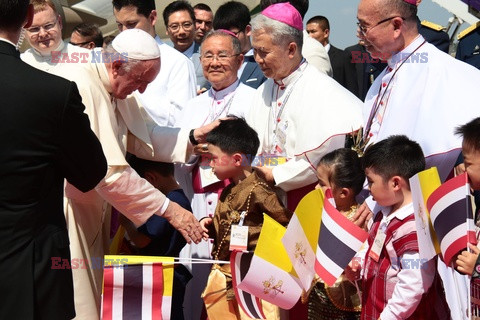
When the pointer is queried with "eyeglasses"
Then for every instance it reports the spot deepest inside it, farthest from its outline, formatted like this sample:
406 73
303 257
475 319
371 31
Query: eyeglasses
186 26
79 43
34 31
364 30
222 57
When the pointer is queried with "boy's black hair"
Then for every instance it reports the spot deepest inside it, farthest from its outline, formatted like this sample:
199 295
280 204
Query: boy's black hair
232 14
233 136
346 169
471 134
144 7
179 5
141 166
395 156
321 20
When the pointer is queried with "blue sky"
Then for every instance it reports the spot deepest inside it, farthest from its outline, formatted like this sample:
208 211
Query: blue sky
342 16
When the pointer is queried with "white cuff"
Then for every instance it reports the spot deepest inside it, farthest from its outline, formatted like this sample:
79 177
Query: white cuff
165 206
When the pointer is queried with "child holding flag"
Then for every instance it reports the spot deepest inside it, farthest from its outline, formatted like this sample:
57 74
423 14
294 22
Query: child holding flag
238 217
395 286
341 171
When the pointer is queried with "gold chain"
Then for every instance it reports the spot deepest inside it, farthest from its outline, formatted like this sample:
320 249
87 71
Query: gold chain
231 220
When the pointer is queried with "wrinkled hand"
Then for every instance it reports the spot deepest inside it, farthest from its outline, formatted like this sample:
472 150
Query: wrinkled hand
466 260
184 222
200 134
200 149
266 174
362 216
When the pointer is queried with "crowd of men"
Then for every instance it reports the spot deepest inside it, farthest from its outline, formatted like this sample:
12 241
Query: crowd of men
137 95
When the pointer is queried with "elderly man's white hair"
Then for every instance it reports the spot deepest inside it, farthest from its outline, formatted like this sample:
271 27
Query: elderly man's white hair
280 32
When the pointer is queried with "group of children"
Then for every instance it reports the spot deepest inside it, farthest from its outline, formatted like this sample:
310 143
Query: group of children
388 289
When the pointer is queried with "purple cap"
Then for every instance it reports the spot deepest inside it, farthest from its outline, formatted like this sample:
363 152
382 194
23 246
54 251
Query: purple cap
412 2
286 13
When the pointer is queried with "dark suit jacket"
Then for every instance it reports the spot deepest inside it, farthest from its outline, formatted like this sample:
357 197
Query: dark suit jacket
366 68
252 75
439 39
44 138
343 70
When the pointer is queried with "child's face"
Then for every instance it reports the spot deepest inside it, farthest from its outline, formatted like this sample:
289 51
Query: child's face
223 164
381 190
472 167
323 175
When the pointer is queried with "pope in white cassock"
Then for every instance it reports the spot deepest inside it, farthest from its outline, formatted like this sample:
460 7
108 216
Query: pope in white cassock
167 95
424 94
299 113
221 57
120 126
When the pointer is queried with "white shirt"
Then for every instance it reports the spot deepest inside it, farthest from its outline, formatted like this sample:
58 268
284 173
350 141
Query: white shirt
166 96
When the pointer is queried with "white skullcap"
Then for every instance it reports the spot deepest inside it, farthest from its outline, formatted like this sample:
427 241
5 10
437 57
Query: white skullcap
136 44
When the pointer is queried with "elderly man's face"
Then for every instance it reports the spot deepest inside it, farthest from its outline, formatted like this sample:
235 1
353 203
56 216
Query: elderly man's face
276 61
181 30
219 61
45 33
137 78
203 24
376 31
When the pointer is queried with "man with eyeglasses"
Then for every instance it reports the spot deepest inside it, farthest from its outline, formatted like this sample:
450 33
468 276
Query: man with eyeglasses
235 17
165 97
179 18
221 57
87 35
416 95
203 21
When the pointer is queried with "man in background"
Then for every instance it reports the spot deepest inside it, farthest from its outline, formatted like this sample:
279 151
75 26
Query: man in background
87 35
203 21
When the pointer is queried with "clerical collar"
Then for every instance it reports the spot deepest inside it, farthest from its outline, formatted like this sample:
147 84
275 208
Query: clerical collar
406 52
292 76
189 51
7 41
60 47
221 94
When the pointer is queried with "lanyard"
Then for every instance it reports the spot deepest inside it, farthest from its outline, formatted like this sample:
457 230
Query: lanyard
226 108
377 102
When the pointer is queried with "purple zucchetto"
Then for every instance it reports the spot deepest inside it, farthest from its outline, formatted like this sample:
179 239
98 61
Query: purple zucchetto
286 13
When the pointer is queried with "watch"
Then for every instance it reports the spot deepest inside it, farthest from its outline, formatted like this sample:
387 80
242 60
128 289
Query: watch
192 137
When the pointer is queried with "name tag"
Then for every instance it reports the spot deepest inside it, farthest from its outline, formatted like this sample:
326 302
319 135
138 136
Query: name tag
377 245
239 238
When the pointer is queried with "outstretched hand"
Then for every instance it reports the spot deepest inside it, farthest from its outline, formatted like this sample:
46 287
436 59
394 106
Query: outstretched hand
184 222
362 216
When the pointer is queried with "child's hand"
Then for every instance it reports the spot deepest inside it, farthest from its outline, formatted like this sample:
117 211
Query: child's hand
466 260
352 271
205 223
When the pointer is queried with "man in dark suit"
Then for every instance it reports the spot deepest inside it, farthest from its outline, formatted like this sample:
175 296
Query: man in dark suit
318 28
45 137
433 33
234 16
468 49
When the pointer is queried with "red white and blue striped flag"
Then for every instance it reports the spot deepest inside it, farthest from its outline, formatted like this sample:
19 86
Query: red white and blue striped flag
251 305
338 242
139 288
450 207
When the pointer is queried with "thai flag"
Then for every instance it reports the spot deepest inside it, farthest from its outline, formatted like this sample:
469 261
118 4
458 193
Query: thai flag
338 242
139 289
450 207
251 305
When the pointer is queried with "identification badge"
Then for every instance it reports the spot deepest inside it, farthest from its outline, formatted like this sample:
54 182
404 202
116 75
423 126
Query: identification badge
207 177
281 133
377 245
239 238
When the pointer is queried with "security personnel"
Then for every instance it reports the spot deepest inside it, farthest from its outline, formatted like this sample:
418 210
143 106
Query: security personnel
434 34
468 49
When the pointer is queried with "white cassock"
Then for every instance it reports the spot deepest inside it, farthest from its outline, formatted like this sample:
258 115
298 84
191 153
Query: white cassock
205 108
167 95
119 126
302 119
315 54
429 95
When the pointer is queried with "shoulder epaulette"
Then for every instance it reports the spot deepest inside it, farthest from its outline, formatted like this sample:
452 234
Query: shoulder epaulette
468 30
432 25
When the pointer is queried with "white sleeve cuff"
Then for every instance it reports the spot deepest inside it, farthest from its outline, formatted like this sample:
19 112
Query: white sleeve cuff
165 206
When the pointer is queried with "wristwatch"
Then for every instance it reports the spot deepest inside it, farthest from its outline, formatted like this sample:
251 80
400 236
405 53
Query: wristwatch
192 137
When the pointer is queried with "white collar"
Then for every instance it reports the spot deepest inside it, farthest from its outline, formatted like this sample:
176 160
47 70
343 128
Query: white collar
292 77
60 47
8 41
327 47
400 214
219 95
402 55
